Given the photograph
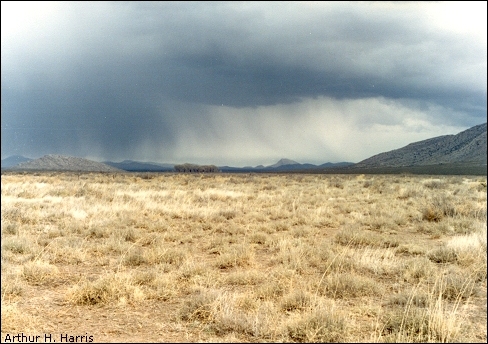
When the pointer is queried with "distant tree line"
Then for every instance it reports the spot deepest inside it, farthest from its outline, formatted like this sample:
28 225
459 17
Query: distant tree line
196 168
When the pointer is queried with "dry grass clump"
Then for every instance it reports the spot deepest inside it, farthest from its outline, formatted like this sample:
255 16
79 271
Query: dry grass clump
349 285
297 300
357 237
135 257
39 272
246 278
455 286
119 288
410 249
443 254
432 317
198 307
418 269
239 255
324 324
434 184
277 284
470 251
221 314
12 287
438 208
165 257
16 245
407 300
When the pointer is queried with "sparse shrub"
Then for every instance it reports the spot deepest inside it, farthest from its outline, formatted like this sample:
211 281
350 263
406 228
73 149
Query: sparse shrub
244 278
296 300
410 249
271 289
172 256
67 250
282 227
300 232
437 209
144 277
16 245
405 300
134 258
471 253
107 289
259 238
455 286
38 272
406 193
434 321
238 255
434 184
443 254
98 232
323 325
481 187
294 254
198 307
410 326
353 236
231 321
463 226
347 285
432 214
12 287
268 187
227 214
128 234
336 183
11 228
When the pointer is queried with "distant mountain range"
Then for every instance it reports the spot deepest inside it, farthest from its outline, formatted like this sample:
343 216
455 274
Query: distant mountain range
284 165
463 153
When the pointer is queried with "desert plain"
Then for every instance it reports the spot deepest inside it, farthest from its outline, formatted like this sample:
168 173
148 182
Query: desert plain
148 257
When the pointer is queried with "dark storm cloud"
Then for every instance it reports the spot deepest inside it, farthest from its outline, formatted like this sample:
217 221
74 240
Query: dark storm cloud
127 79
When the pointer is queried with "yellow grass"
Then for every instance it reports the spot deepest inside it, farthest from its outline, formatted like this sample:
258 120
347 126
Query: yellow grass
238 257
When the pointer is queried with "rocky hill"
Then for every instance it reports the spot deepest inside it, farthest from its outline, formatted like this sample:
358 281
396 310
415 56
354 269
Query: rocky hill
467 147
53 162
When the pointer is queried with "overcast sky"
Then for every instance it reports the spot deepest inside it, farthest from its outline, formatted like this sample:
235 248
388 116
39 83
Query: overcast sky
238 83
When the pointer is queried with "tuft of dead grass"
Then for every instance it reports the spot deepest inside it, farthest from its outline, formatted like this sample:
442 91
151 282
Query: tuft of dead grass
118 287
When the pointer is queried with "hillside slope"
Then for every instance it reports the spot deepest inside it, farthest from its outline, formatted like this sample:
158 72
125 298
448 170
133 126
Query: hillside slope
53 162
468 147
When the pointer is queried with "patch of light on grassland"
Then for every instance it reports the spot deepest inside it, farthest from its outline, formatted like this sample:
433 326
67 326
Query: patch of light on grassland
471 241
79 214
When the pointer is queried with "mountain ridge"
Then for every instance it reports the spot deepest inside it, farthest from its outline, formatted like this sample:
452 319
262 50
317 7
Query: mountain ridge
468 146
56 162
